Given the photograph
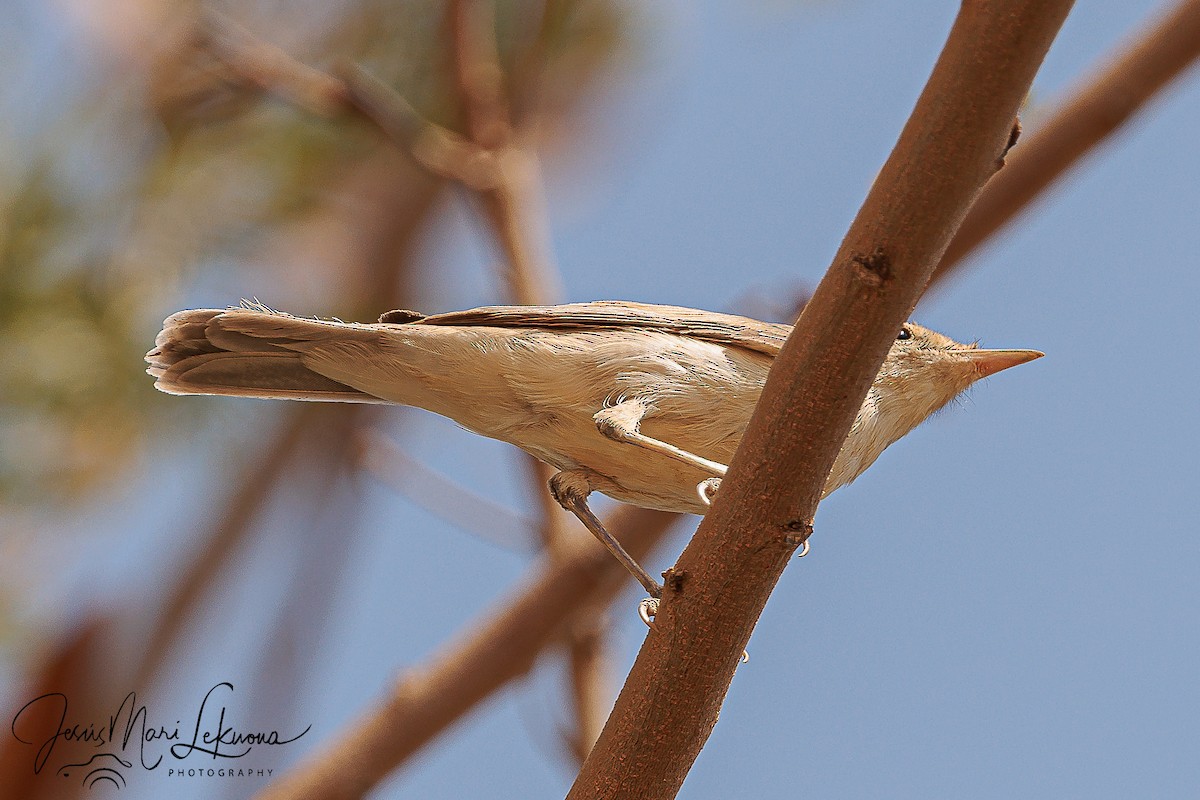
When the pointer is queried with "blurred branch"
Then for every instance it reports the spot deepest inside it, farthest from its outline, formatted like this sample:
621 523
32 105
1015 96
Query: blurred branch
584 638
440 495
440 150
1126 81
263 66
953 142
1122 86
492 162
587 651
72 670
500 647
513 205
383 237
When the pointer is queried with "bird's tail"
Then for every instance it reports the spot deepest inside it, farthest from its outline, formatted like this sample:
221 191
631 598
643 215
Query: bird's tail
248 352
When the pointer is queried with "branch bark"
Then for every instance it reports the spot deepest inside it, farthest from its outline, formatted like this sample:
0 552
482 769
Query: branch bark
953 142
503 646
1104 102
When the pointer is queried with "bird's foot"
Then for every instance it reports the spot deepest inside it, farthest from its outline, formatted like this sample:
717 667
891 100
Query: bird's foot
707 489
647 609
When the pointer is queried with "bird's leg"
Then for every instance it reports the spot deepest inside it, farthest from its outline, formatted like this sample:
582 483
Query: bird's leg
620 423
571 489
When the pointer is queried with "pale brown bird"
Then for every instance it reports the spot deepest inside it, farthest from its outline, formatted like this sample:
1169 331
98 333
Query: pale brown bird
644 403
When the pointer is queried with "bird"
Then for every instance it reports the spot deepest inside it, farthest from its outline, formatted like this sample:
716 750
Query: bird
643 403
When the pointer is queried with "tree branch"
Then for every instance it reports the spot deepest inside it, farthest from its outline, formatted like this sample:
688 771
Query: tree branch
1125 83
951 145
514 204
501 647
263 66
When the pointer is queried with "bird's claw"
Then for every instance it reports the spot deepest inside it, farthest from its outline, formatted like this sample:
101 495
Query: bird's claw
707 489
647 609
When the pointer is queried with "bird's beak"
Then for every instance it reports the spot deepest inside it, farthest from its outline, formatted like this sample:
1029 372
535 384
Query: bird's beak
989 362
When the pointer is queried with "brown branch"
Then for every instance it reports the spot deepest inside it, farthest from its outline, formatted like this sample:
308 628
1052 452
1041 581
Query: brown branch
478 76
950 146
1125 83
70 668
264 67
380 243
584 638
587 649
503 646
513 205
492 162
439 150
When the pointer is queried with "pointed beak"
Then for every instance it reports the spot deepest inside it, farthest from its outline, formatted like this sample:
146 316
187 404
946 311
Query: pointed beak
989 362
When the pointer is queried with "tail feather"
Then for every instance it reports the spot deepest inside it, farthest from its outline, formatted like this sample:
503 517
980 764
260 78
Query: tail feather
245 353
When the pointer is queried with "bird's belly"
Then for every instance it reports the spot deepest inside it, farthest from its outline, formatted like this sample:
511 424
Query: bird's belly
623 471
540 391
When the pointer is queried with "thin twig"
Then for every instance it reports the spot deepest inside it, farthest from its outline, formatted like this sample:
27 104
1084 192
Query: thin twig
514 205
380 246
950 146
1123 84
438 149
441 495
264 67
587 651
478 76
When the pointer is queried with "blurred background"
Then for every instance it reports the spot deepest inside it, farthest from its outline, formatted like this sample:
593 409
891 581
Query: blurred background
1004 605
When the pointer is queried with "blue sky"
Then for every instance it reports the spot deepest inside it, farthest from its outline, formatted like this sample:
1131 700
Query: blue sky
1004 605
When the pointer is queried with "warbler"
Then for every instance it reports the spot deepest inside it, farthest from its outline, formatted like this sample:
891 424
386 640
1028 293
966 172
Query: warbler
644 403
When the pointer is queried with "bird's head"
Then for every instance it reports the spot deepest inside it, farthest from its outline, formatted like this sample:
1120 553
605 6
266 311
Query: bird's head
924 370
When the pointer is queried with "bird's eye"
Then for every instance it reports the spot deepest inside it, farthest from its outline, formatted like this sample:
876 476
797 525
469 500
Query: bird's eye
905 333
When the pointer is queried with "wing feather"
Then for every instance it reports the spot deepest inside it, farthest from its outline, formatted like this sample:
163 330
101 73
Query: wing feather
730 329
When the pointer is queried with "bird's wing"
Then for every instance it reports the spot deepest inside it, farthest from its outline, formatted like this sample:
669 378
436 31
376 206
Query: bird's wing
761 337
